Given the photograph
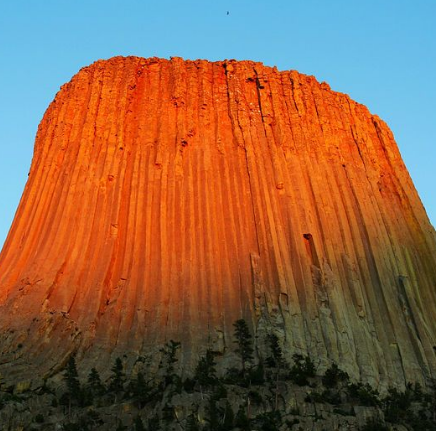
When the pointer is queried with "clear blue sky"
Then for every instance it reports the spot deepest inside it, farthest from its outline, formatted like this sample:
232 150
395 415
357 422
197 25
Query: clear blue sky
380 52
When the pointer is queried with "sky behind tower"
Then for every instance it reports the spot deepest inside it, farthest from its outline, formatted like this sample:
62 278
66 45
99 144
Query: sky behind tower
380 52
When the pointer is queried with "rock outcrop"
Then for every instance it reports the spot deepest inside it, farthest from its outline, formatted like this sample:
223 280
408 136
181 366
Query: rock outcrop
168 198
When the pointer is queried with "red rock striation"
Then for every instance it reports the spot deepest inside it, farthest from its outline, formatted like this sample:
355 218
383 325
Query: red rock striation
168 198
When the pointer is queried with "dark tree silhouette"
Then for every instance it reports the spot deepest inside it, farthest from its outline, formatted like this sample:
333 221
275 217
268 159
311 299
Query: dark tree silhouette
117 378
141 390
94 383
244 342
71 378
205 372
168 361
275 359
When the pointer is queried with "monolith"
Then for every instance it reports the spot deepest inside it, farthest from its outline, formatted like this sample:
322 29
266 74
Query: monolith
168 198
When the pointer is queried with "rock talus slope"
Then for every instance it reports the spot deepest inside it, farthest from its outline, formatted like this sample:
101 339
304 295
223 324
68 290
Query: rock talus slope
168 198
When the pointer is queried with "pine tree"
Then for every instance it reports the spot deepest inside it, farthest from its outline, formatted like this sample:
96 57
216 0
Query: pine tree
213 414
140 390
94 383
117 378
241 421
256 374
277 361
229 418
71 378
244 342
205 372
168 361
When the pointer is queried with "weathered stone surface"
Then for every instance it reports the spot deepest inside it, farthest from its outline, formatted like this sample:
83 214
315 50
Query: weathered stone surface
166 199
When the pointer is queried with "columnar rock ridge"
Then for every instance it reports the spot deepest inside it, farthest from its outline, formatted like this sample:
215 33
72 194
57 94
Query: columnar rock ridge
168 198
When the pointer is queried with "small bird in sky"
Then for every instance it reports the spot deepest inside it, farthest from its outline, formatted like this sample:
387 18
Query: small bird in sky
228 13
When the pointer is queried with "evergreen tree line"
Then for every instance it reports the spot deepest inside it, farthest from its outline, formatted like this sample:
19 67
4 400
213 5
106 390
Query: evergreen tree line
262 384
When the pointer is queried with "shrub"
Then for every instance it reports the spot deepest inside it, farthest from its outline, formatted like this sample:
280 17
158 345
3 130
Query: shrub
220 392
326 396
189 385
255 397
39 418
364 394
232 376
302 369
333 376
396 405
269 421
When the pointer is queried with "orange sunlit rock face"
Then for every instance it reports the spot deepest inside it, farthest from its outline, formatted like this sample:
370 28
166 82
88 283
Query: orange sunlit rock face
168 198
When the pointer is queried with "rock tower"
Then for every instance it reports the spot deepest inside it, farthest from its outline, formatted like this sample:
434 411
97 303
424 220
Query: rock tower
168 198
